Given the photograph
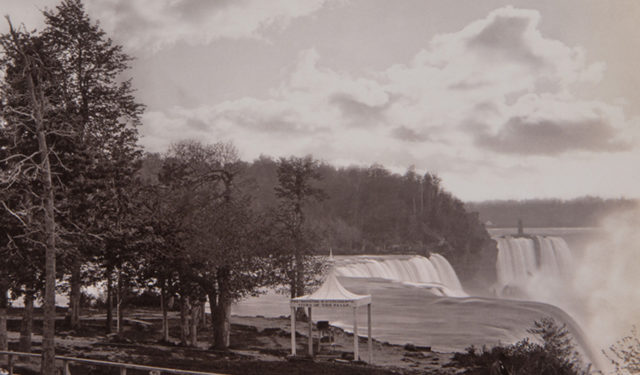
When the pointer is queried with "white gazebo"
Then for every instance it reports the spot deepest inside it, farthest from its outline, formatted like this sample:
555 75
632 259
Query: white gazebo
332 294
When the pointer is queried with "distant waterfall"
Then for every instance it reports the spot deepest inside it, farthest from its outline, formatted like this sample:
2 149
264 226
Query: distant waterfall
522 260
434 272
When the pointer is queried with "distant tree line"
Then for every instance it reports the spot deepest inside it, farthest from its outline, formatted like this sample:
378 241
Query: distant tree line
370 210
578 212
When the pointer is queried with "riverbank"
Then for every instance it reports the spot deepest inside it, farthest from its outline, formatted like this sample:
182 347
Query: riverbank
259 345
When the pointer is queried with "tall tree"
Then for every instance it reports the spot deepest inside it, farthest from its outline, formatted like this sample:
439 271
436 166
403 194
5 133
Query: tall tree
296 177
29 97
231 244
103 111
210 237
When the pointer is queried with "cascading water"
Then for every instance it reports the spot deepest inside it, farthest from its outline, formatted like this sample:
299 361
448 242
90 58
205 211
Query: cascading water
434 272
523 261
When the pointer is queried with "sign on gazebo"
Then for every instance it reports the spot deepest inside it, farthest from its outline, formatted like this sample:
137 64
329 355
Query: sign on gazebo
332 295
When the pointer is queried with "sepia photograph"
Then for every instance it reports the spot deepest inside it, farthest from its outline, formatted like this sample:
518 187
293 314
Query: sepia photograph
240 187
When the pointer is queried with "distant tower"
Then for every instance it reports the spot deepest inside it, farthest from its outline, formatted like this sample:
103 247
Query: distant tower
520 229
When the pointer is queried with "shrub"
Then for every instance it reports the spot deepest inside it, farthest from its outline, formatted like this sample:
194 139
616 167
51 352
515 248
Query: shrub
555 355
625 354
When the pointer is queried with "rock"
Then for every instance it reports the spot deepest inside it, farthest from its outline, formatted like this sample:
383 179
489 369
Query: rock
410 347
415 348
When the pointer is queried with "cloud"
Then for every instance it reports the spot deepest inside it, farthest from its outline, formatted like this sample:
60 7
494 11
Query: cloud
548 137
496 85
406 134
552 124
361 114
154 24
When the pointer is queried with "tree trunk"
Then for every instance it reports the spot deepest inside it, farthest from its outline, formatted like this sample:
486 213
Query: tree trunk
74 295
299 259
119 312
222 326
48 365
4 302
202 320
184 320
109 322
212 295
298 286
26 326
195 314
165 317
222 314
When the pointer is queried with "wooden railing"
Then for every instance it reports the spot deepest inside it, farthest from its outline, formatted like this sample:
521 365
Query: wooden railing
66 361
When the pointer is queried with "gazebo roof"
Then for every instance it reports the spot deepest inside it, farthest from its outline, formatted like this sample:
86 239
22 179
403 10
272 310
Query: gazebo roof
331 294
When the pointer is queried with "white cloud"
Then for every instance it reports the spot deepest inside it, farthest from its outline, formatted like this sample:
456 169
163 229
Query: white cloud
153 24
493 102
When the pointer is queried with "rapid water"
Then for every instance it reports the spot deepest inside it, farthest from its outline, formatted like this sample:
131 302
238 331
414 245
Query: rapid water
412 302
434 273
524 261
406 314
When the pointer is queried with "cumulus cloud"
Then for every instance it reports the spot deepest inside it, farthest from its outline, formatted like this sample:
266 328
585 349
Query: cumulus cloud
522 136
552 125
474 100
155 24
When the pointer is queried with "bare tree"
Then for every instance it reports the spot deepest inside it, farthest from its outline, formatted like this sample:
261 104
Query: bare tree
28 118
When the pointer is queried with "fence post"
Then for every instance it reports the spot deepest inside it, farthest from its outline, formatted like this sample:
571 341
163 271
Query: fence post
123 371
66 370
10 364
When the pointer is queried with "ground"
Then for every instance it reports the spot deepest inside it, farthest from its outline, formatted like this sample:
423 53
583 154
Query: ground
259 346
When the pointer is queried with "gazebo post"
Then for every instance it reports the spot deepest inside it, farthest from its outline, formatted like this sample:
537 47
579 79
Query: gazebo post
293 330
310 334
356 354
370 343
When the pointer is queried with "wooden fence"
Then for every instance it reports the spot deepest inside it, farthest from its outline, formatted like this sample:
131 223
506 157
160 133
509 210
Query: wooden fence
66 361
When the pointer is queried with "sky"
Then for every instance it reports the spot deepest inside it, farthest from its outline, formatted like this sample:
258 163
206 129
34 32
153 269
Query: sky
501 99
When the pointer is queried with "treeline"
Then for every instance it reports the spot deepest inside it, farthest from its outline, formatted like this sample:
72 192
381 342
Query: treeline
578 212
370 210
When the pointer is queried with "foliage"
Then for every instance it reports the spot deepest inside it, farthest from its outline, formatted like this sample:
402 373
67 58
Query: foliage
296 239
29 98
625 353
205 238
372 210
555 355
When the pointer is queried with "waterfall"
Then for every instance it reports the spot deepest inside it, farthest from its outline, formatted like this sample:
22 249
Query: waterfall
434 272
524 260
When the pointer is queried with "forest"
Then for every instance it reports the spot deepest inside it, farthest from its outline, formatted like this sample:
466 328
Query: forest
370 210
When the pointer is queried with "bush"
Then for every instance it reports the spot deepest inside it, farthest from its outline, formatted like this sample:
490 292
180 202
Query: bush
554 356
625 354
147 298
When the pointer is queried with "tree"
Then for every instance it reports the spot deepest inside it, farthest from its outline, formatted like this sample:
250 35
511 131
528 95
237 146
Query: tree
65 135
103 112
29 116
209 240
295 188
